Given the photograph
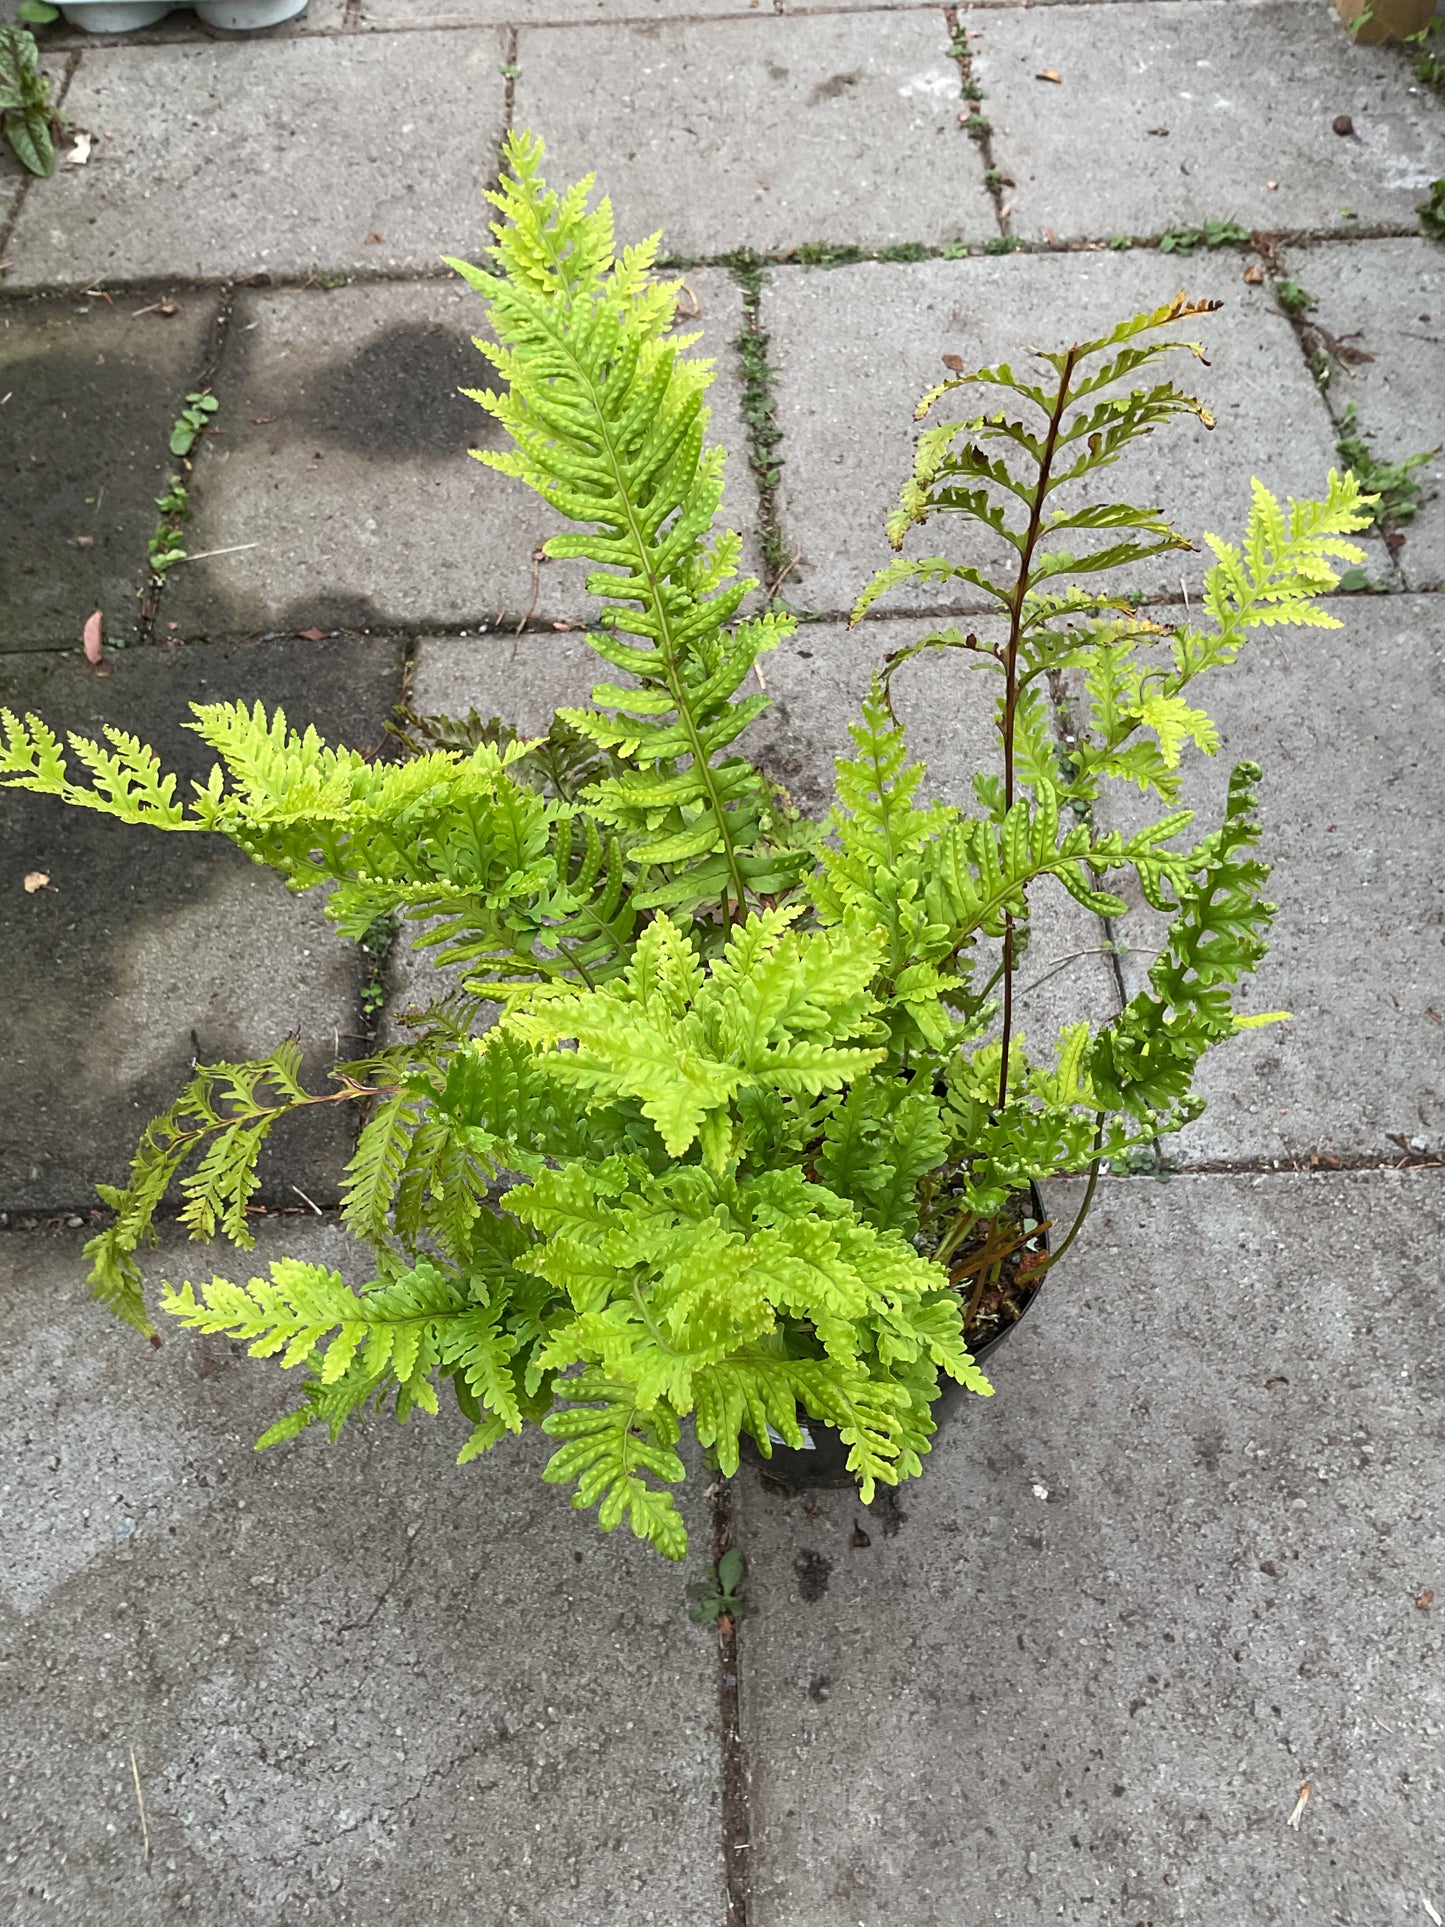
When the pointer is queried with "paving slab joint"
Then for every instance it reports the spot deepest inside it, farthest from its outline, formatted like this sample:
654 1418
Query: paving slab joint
759 413
1322 353
153 579
975 122
510 70
736 1793
807 256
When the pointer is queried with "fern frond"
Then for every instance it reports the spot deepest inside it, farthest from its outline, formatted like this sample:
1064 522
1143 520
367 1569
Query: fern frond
611 1447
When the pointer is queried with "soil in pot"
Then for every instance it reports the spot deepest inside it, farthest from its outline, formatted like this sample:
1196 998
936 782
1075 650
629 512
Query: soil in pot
997 1279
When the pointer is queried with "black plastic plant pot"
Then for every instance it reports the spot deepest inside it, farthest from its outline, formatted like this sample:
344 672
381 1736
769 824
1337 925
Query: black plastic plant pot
823 1465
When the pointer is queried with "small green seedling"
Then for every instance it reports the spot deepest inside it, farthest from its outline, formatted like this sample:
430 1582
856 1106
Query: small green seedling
1292 297
192 423
1432 211
164 549
1391 492
1002 244
721 1593
1213 234
1429 58
1120 242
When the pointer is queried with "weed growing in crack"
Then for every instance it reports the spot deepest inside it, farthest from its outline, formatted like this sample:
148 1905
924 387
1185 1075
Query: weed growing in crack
1212 234
192 422
976 124
1294 299
166 547
376 944
1393 492
1429 55
762 428
721 1592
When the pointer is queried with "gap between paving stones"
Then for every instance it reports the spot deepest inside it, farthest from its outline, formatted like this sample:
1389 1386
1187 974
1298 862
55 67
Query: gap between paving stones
204 383
974 120
830 256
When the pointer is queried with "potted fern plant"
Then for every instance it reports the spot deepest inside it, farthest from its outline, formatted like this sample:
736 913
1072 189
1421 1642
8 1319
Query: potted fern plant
757 1117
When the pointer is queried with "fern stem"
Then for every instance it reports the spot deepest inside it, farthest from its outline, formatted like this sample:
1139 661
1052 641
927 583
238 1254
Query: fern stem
1084 1209
1011 683
667 647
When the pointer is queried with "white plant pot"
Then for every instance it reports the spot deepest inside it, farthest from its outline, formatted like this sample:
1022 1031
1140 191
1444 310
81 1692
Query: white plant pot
116 16
127 16
243 16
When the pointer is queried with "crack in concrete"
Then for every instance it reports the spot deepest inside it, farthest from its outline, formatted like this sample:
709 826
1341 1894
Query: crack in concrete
203 382
360 1625
736 1802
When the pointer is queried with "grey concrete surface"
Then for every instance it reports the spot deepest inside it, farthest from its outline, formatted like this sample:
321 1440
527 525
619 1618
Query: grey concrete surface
1345 724
144 950
1166 1574
1209 116
227 160
849 373
1386 299
91 393
764 133
346 401
360 1682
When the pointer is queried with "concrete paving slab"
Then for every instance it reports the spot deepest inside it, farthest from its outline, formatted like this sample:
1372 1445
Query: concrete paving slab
345 463
92 391
267 157
763 133
145 951
1388 298
1346 725
1168 1573
853 348
360 1681
1205 121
